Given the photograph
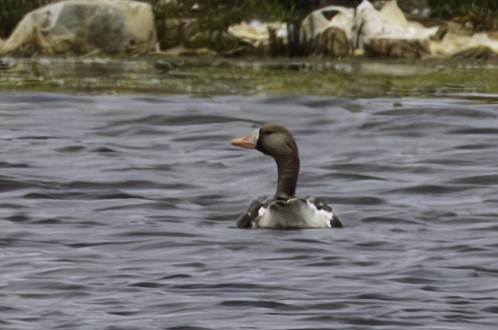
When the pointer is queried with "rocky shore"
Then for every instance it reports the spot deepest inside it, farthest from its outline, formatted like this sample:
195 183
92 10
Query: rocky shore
319 28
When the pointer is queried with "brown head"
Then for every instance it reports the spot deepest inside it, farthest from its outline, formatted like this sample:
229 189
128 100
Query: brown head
276 141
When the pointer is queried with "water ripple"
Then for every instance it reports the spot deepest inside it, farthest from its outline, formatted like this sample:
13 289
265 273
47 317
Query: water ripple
119 213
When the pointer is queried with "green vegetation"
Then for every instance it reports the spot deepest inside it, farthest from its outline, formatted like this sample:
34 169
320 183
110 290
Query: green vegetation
449 8
482 14
12 11
215 16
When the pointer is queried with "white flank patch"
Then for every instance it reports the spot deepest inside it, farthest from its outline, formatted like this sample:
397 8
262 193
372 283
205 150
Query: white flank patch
296 213
320 217
261 211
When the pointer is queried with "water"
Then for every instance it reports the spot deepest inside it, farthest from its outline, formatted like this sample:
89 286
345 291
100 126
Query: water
118 212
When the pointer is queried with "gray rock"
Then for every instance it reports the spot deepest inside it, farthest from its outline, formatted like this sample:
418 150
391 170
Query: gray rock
115 27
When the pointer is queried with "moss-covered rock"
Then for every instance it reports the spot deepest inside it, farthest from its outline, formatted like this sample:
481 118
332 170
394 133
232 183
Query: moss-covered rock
397 48
331 43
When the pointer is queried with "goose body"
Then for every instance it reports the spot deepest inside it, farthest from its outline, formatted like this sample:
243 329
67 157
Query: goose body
284 210
293 213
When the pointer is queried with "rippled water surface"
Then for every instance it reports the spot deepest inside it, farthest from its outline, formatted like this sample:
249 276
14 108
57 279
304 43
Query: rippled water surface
118 212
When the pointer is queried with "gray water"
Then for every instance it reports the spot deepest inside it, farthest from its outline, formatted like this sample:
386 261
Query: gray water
118 212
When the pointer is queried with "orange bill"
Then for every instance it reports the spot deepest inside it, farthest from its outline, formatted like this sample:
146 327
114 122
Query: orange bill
248 141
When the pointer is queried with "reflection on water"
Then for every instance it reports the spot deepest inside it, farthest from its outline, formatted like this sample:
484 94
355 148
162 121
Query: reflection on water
357 78
119 213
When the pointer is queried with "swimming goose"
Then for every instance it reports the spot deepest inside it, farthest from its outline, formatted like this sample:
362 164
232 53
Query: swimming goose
284 210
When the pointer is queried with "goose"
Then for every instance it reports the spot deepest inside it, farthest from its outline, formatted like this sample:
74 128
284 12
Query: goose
283 210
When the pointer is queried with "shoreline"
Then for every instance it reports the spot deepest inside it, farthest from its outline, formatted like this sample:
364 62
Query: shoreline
157 74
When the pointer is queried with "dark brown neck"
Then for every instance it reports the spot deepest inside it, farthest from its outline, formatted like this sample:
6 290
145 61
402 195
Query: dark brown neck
288 172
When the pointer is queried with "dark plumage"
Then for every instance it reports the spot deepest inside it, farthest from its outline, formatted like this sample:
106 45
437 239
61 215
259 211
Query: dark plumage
284 210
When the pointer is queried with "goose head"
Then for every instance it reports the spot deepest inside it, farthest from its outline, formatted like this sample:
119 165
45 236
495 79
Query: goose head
277 142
